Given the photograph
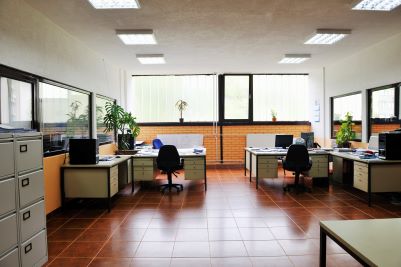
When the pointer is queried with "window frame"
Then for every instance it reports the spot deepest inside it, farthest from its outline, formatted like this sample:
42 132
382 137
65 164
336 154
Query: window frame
71 88
95 130
397 88
332 114
14 74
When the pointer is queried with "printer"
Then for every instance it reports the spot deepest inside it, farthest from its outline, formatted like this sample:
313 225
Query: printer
389 145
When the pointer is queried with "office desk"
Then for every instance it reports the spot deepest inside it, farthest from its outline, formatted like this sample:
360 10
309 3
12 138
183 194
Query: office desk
373 242
369 175
100 180
263 163
145 169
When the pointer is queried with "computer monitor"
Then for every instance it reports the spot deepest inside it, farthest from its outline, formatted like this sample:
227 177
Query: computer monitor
309 138
284 140
84 151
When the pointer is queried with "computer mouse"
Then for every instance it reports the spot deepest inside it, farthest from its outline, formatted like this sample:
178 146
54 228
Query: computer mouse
117 157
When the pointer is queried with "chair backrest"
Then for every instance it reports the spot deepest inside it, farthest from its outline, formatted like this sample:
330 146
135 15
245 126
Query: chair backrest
157 143
297 157
168 159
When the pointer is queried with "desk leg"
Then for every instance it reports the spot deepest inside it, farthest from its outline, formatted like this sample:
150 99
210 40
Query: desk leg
322 256
257 172
369 186
245 163
204 166
250 168
62 189
108 190
132 176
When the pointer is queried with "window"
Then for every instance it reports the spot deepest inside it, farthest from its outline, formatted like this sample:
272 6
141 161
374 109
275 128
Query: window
154 98
64 115
16 103
287 95
236 97
103 137
352 104
383 109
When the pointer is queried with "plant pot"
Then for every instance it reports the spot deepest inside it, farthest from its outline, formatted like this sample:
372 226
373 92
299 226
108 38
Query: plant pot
128 138
344 145
274 119
126 152
181 120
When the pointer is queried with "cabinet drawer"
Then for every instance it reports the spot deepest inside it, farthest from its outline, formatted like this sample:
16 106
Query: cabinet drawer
361 169
194 161
31 187
8 230
7 193
10 259
32 220
33 250
113 185
194 167
114 171
267 160
143 175
194 174
143 162
319 159
269 165
29 155
268 173
361 183
7 159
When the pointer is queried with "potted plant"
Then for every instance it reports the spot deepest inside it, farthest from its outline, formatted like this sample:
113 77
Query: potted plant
274 115
345 133
120 121
181 106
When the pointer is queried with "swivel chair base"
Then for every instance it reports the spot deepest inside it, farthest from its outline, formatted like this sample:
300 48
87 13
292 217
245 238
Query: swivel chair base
170 185
296 186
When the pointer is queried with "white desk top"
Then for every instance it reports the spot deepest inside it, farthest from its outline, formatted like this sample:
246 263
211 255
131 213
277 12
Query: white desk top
279 151
102 164
352 156
376 241
183 152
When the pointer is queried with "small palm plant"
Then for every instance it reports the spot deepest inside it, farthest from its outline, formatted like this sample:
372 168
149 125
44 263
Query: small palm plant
181 106
345 134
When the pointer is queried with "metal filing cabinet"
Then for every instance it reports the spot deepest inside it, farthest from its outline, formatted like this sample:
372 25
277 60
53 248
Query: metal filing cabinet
22 211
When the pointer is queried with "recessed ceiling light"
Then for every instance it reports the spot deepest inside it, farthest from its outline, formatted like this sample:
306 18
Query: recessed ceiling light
377 5
151 58
294 58
114 4
327 36
137 37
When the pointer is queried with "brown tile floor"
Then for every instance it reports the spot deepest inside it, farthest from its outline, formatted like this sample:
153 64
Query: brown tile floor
232 224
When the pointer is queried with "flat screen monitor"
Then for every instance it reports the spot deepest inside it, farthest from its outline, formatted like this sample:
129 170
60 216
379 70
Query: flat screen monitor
284 140
84 151
309 139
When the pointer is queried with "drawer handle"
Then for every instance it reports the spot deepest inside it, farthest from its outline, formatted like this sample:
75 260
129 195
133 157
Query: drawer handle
28 248
26 215
23 148
25 182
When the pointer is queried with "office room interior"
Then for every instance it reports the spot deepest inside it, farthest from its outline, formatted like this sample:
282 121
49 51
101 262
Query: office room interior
200 133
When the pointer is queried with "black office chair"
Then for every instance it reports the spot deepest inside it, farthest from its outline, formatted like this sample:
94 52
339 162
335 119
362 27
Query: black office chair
168 160
297 160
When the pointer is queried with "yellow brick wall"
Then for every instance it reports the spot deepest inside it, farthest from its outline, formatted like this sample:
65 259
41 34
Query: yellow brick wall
234 137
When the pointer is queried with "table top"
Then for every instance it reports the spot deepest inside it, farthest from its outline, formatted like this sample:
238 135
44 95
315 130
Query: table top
114 160
376 241
279 151
183 152
355 157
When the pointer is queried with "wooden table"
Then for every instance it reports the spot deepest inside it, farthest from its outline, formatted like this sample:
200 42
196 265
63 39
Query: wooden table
375 242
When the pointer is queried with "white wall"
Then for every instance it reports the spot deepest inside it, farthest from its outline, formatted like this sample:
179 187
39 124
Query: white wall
316 97
29 41
376 66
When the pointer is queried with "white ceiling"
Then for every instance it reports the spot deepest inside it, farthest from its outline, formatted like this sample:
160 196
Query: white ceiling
207 36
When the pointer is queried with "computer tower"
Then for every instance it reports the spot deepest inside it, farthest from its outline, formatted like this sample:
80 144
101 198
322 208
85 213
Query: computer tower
84 151
309 138
389 145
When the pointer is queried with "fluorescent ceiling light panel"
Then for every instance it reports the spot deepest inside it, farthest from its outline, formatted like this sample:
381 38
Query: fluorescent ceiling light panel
151 58
294 58
327 36
114 4
137 37
377 5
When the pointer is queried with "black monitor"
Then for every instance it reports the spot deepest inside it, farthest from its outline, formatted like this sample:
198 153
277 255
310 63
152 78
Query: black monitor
84 151
309 139
284 140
